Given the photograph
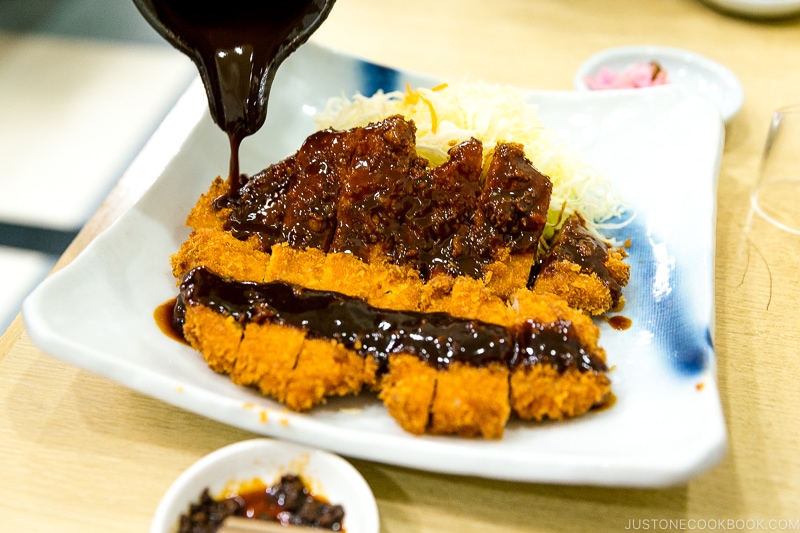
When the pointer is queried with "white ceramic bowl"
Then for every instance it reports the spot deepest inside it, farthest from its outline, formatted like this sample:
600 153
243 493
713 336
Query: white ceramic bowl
758 8
328 475
698 74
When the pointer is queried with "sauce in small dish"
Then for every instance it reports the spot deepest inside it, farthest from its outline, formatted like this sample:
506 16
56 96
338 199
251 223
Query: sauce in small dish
225 471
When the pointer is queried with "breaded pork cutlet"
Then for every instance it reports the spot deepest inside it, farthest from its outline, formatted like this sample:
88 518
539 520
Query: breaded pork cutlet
555 370
366 192
383 206
352 265
583 270
235 332
436 371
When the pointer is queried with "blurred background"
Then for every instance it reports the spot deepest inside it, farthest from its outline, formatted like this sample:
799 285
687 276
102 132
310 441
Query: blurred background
83 84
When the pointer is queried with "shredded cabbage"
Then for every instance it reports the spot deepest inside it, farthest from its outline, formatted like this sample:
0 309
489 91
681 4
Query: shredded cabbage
448 114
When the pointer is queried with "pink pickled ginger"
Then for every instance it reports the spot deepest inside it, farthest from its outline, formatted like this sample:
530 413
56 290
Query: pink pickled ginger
639 75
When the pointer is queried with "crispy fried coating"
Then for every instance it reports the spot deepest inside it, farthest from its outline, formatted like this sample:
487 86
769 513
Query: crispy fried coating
583 270
617 267
471 401
459 398
549 308
270 374
462 400
508 274
407 392
584 291
220 252
300 372
541 392
478 401
215 336
381 283
282 362
203 215
324 368
469 298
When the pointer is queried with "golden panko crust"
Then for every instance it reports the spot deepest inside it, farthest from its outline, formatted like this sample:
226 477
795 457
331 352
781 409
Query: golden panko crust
461 399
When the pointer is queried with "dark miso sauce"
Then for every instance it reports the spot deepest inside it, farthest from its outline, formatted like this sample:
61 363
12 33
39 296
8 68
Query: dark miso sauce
576 244
237 46
437 339
619 322
289 501
607 403
165 320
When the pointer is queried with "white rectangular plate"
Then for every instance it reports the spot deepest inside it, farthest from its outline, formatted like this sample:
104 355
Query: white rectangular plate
662 149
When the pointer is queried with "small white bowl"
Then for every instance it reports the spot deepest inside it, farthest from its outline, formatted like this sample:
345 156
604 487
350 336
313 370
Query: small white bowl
698 74
328 475
758 9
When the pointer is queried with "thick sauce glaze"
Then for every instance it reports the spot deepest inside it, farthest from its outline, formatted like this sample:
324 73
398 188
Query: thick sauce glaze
575 244
365 191
237 46
288 501
438 339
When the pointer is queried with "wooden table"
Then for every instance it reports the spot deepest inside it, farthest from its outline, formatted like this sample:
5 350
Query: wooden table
81 453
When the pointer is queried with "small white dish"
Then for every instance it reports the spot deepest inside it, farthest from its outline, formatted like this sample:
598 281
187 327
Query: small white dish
758 8
328 475
700 75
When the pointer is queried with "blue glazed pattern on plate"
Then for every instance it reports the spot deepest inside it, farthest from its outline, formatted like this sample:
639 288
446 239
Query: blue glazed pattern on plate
663 304
376 78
